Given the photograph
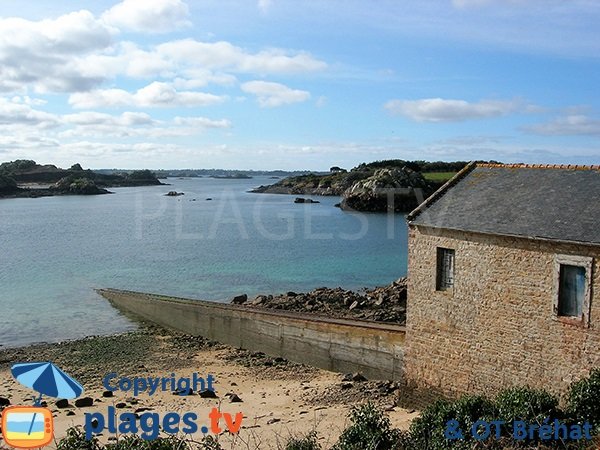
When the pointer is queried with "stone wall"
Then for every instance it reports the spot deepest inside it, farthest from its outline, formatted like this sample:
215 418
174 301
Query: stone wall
340 345
496 327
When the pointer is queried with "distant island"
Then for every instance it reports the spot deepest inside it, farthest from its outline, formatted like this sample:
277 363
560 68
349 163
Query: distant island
26 178
367 186
238 176
218 173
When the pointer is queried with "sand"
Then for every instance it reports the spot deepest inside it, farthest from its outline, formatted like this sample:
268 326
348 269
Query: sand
279 399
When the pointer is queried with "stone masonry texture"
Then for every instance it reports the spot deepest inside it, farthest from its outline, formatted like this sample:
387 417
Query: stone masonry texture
496 327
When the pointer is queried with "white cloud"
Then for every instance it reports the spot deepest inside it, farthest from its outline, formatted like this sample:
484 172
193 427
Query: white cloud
202 122
156 94
271 94
96 118
17 113
224 55
42 55
446 110
570 125
148 16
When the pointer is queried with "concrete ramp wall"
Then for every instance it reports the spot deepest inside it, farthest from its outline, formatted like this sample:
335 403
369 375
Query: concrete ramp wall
374 349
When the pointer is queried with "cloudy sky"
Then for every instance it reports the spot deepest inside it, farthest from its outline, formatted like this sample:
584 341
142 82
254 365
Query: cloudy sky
288 84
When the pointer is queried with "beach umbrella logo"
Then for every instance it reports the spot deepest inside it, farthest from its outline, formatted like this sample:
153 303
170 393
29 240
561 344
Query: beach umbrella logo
46 379
32 426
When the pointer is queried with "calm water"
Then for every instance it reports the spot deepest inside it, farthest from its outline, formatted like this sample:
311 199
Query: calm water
54 251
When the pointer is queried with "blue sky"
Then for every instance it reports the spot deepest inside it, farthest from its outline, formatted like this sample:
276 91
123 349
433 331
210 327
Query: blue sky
282 84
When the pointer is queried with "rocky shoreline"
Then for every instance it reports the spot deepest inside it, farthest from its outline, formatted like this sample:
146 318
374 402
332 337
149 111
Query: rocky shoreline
16 177
387 189
381 304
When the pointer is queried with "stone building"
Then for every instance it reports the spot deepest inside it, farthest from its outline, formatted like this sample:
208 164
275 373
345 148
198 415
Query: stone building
504 279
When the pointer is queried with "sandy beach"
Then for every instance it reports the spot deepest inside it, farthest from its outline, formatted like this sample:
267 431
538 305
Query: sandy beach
278 399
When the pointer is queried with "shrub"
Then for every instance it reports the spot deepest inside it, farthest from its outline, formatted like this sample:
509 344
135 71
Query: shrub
135 442
583 399
427 431
369 430
526 404
75 440
308 442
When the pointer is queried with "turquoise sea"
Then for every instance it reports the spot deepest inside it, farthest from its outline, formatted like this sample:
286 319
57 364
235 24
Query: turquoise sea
54 251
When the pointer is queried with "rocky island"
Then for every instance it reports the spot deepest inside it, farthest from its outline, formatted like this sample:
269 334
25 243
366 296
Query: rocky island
26 178
380 186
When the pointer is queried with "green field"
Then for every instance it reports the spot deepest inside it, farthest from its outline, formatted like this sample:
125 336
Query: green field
438 176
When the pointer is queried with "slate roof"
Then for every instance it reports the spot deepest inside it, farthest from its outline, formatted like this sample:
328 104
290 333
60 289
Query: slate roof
551 202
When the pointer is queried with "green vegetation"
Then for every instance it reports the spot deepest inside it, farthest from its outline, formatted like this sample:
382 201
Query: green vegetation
584 400
19 164
142 175
427 431
438 177
370 429
7 184
308 442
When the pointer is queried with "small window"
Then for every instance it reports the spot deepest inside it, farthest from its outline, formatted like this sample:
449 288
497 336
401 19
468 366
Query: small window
572 297
571 291
445 269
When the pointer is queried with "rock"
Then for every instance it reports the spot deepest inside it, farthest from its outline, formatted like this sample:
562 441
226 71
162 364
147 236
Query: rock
132 400
84 402
346 385
273 420
188 391
358 377
62 403
207 393
347 377
77 186
173 194
394 189
353 305
121 405
239 299
139 410
107 394
258 300
4 402
208 199
291 294
234 398
70 413
305 200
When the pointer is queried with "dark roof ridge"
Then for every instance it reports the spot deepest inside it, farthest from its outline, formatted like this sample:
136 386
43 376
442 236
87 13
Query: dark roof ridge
441 191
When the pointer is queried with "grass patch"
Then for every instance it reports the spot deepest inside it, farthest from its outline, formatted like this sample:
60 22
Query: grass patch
438 176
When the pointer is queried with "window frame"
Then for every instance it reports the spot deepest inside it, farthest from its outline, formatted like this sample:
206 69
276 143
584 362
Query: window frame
438 269
585 262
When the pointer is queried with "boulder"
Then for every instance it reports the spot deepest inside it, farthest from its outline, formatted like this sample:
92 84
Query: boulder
393 190
239 299
234 398
208 393
305 200
77 186
173 194
84 402
62 403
